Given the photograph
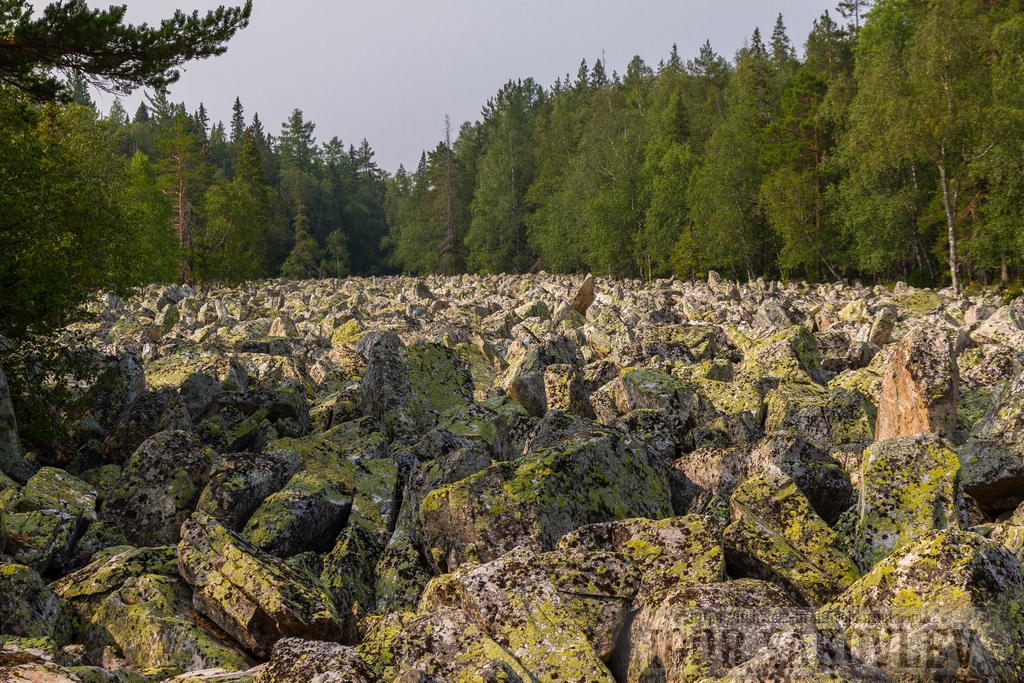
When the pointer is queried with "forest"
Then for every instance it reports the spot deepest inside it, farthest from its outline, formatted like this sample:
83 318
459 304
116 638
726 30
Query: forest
889 148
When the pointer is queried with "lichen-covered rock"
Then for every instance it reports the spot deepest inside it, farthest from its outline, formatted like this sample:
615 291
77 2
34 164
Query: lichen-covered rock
945 607
306 515
718 471
349 569
240 482
992 461
920 389
117 388
150 619
139 422
805 655
407 388
703 631
513 601
669 552
778 537
439 642
909 487
282 404
299 661
85 589
54 489
594 476
30 609
97 537
790 355
42 539
566 390
597 589
159 488
256 598
799 408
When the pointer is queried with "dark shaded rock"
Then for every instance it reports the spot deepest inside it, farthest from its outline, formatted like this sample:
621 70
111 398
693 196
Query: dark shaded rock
159 488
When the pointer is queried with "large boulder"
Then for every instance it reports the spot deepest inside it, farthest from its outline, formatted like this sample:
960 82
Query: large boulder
407 388
240 482
716 472
992 461
159 488
596 475
669 553
778 537
29 608
256 598
150 619
47 518
920 389
306 515
440 641
514 602
703 631
945 607
910 486
805 655
294 660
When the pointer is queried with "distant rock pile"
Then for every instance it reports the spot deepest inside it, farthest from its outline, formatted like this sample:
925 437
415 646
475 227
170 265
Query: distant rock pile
527 478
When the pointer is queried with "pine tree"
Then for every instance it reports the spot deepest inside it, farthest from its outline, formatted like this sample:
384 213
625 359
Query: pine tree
854 10
238 122
142 113
598 78
117 115
782 47
79 91
674 62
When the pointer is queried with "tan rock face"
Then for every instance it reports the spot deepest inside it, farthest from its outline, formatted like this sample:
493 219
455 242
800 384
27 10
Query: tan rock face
919 392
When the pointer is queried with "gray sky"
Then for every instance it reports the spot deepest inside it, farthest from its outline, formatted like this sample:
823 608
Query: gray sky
389 70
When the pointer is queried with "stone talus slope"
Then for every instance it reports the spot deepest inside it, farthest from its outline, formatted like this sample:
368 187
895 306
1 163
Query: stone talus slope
526 478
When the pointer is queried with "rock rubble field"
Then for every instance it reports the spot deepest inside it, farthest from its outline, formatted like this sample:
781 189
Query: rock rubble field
526 478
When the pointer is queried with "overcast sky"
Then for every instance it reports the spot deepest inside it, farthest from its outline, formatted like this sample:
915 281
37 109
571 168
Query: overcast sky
389 70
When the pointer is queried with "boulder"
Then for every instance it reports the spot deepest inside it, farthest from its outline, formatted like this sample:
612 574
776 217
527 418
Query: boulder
597 589
669 553
920 389
944 607
139 422
584 296
29 608
150 619
294 660
593 476
513 601
306 515
717 472
256 598
910 486
992 461
240 482
441 642
778 537
159 488
702 631
805 655
407 389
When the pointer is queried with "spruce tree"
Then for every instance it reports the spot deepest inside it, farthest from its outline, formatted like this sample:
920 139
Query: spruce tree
238 122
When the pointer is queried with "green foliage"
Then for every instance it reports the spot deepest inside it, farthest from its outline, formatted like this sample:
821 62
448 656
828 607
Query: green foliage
70 37
75 216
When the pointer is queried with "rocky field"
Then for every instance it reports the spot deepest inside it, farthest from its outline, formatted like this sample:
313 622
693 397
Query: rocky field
530 478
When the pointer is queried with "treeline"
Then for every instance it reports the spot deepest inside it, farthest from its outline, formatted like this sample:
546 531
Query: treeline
892 149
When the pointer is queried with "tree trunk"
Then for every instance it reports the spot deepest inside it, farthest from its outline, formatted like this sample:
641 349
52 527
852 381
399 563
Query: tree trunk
1005 274
949 203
